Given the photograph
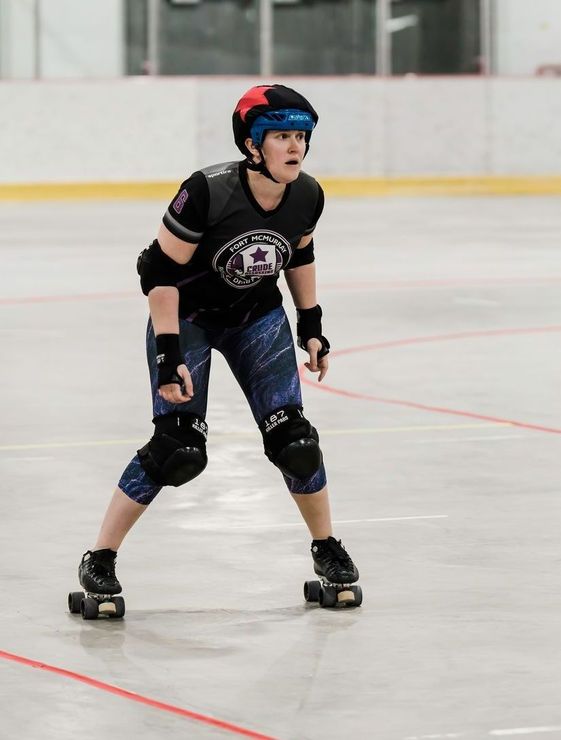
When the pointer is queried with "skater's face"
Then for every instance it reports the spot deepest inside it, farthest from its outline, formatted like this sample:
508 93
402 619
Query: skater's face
283 152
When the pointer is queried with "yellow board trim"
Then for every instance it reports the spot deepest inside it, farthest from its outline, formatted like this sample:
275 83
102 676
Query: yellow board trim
372 186
334 186
89 191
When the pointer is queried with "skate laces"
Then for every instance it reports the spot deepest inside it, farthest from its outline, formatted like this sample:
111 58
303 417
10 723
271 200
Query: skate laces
336 550
100 565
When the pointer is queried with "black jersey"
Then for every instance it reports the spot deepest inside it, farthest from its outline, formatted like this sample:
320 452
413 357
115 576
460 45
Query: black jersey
232 277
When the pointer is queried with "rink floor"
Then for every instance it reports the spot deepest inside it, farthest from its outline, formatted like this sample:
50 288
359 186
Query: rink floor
440 420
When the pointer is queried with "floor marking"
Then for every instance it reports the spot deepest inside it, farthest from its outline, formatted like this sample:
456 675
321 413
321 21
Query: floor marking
452 282
254 433
283 525
342 285
416 428
172 709
392 519
435 409
524 731
493 733
429 339
25 459
493 437
434 737
425 407
66 298
476 302
87 443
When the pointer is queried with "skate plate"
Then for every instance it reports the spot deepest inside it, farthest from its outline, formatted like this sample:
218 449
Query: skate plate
330 595
92 606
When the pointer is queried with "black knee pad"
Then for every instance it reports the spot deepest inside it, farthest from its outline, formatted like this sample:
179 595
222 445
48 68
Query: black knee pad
291 442
177 452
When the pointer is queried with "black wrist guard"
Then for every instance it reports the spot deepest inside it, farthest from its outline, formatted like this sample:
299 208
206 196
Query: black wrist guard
168 357
308 326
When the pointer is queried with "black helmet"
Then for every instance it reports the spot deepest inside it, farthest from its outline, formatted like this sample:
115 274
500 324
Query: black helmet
266 107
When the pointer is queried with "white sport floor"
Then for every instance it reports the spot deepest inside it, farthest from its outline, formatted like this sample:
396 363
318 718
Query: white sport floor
440 420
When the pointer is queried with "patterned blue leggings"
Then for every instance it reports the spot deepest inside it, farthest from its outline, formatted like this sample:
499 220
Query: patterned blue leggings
261 357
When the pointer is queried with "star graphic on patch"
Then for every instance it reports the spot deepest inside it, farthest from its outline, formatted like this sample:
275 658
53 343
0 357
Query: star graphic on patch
259 255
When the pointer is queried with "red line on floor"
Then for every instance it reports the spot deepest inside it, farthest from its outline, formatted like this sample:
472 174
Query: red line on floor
447 338
123 693
443 282
69 298
424 407
342 285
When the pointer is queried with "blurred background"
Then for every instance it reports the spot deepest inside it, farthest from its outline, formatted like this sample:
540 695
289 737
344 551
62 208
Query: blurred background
142 90
109 38
65 38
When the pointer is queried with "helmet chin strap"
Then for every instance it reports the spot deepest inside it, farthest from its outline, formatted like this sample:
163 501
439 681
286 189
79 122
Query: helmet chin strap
260 167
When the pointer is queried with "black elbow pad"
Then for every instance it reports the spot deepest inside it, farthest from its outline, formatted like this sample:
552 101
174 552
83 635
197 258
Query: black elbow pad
303 256
156 268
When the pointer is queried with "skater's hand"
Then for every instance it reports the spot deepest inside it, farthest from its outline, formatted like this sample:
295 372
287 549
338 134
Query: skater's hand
174 393
314 365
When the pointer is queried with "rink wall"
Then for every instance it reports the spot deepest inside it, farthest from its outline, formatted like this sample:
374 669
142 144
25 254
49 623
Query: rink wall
137 137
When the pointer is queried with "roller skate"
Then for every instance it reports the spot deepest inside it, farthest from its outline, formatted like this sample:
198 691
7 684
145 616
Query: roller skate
337 573
96 574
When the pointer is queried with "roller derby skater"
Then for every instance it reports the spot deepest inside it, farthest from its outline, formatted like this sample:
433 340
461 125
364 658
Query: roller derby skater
211 281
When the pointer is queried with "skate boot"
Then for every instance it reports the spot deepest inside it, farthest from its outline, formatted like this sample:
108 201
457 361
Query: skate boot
96 574
337 572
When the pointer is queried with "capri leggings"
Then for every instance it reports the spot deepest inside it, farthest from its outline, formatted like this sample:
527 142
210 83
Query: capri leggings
262 359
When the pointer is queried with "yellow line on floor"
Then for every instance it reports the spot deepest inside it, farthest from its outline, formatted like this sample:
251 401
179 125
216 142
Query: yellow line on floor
218 435
334 186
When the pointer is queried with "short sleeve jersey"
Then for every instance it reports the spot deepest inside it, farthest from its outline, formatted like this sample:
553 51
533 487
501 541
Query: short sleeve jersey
232 277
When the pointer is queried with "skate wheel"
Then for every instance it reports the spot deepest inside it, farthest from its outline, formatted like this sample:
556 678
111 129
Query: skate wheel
74 601
89 608
357 591
311 591
119 603
327 596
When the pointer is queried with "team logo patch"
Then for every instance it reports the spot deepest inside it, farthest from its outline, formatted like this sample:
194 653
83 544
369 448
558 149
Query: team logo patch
180 201
249 258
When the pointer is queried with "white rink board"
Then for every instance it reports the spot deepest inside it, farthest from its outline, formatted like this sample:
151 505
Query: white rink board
437 127
90 131
525 127
140 129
